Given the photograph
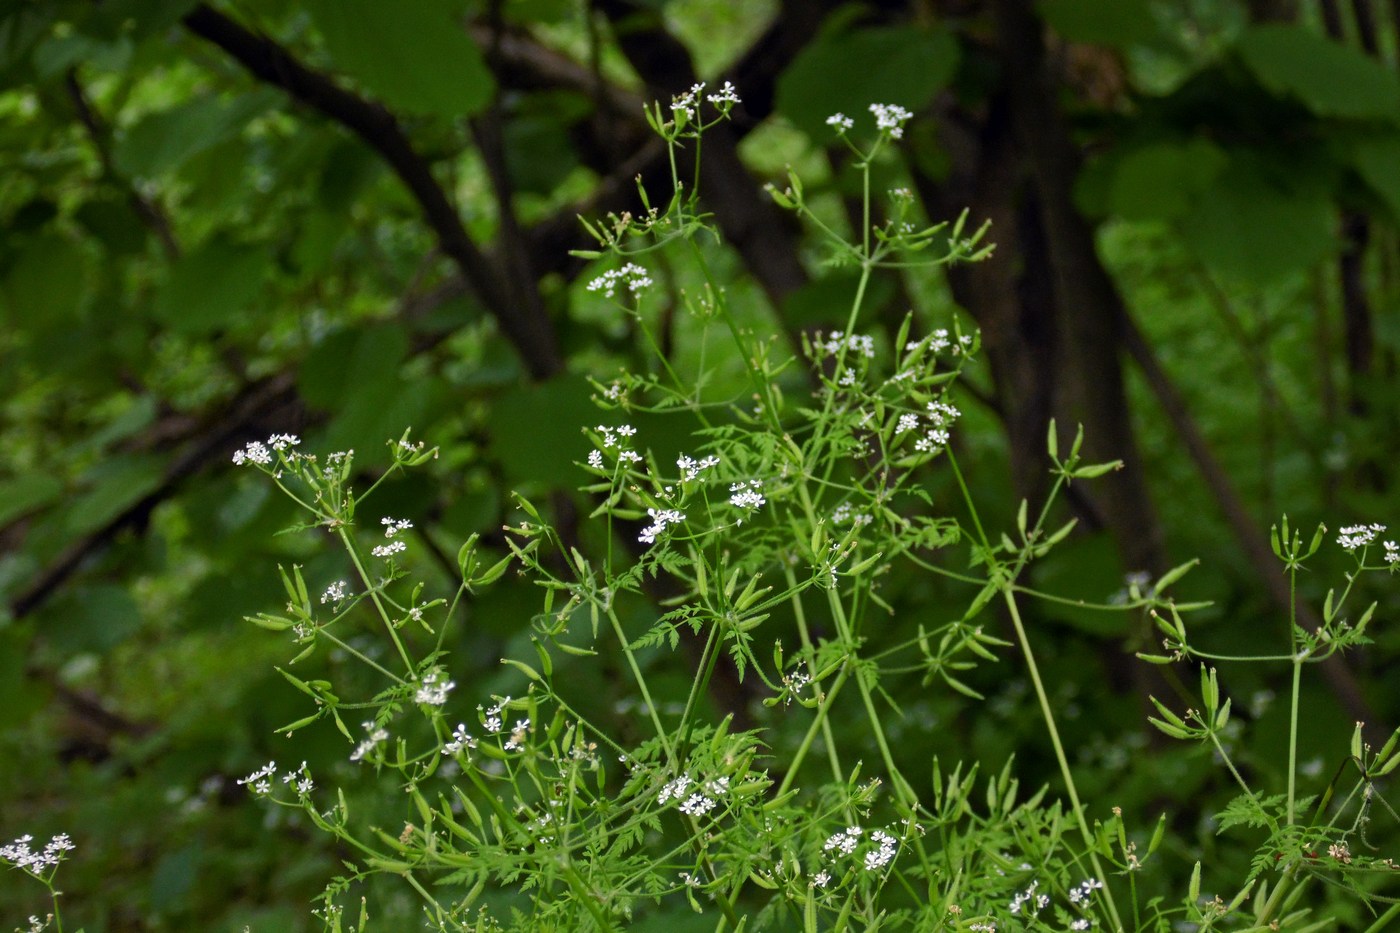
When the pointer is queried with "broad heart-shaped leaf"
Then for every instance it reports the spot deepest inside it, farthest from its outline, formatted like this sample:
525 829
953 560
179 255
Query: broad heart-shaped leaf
1118 24
1248 227
847 72
1331 79
1162 180
211 287
162 141
415 56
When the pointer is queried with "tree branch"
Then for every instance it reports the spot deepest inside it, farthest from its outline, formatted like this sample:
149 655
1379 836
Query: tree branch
527 329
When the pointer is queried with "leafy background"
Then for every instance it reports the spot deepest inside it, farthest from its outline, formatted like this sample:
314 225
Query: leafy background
343 218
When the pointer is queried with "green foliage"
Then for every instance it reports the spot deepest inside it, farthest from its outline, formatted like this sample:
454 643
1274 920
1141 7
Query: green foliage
192 255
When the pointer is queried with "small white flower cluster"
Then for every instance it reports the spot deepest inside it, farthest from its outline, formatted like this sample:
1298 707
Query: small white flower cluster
793 684
864 344
1080 894
875 858
891 117
941 416
1355 536
491 717
632 276
611 437
390 549
22 857
660 520
434 689
258 780
840 121
727 95
516 742
746 495
392 527
302 777
845 513
694 803
460 740
334 593
258 453
376 734
691 468
1392 553
1030 901
940 341
689 102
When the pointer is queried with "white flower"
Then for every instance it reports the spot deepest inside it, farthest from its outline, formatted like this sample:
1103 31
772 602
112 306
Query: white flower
821 878
697 805
674 790
595 459
907 422
840 121
390 549
727 95
1355 536
844 842
691 468
516 742
890 117
747 495
334 593
253 452
393 526
632 276
1392 552
283 441
376 735
433 690
22 857
660 520
460 740
259 779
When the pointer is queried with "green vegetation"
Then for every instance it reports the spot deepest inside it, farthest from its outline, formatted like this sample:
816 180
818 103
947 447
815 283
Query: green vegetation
808 508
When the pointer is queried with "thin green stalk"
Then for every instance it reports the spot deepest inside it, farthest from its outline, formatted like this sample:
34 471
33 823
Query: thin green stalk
1065 771
1293 736
374 595
820 721
1297 683
642 686
903 790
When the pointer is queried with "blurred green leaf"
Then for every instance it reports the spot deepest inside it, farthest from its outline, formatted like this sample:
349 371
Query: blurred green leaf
1331 79
413 55
211 287
1116 24
903 66
162 141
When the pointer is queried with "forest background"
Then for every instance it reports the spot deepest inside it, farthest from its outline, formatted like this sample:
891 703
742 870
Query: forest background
343 218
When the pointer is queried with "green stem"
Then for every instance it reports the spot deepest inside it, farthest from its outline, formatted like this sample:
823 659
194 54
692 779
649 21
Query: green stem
642 686
374 595
1065 772
1293 736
